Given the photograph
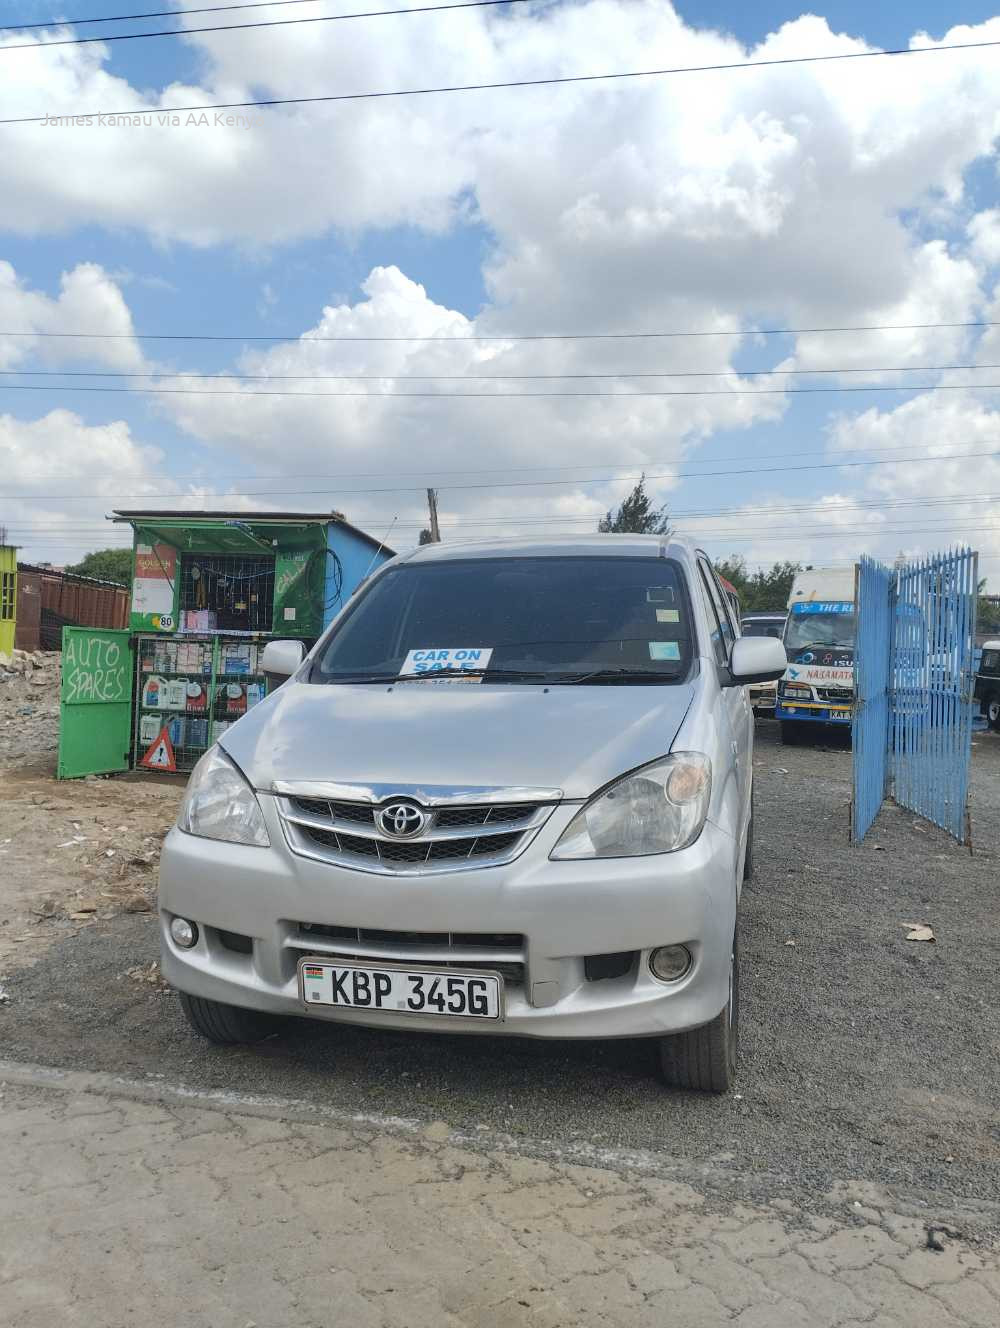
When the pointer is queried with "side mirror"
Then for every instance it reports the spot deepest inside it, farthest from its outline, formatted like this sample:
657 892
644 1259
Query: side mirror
757 659
281 659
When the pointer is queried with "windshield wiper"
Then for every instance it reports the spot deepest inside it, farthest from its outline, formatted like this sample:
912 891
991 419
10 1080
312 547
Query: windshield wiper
616 675
487 674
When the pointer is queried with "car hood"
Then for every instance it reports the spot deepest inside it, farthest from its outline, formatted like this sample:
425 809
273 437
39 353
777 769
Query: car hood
574 738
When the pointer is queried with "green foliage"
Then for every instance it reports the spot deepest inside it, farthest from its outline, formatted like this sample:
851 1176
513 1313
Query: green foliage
637 515
988 615
106 565
760 591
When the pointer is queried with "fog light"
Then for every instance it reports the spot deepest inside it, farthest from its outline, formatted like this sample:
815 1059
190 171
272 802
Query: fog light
669 963
185 933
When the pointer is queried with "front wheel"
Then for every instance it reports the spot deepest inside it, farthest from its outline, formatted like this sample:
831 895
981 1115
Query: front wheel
704 1059
992 709
227 1025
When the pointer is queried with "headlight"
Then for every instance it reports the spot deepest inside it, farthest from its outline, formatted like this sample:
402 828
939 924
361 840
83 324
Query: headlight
658 809
220 804
796 689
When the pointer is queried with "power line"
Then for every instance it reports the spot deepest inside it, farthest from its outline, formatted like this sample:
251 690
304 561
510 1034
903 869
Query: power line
504 484
238 27
156 13
104 116
488 378
506 336
501 396
433 471
857 513
817 507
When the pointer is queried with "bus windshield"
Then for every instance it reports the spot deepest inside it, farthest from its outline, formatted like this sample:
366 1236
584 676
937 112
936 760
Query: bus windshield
822 626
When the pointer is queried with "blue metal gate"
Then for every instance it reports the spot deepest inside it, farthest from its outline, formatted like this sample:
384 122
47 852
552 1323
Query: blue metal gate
933 681
915 679
871 693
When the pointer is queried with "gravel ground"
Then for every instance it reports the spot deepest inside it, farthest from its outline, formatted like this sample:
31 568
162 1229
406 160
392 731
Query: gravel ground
865 1056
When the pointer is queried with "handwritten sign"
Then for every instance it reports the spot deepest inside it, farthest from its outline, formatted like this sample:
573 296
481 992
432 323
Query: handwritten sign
95 669
436 659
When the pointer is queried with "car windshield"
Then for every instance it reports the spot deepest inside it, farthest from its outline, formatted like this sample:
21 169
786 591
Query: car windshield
549 619
820 629
762 627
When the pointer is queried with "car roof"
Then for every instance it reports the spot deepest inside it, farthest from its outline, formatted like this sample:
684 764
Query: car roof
554 546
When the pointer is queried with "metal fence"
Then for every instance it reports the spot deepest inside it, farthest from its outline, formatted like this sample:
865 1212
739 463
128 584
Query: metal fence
915 680
871 693
933 680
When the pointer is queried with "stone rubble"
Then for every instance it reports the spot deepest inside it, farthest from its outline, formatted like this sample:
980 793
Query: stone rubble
29 708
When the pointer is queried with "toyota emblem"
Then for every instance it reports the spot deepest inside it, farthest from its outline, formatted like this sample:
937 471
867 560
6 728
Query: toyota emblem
401 820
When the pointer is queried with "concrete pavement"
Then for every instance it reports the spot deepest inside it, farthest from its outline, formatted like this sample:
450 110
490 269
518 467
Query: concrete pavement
124 1203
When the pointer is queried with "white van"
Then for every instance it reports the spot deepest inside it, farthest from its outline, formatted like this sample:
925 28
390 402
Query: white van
819 637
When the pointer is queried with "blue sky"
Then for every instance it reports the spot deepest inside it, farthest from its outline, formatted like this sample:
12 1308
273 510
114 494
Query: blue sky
495 248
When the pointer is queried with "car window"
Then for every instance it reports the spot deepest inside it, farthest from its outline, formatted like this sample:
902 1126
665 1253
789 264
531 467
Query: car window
760 627
553 617
715 623
721 607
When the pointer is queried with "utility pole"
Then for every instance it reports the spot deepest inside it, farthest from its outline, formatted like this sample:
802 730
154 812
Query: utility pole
432 507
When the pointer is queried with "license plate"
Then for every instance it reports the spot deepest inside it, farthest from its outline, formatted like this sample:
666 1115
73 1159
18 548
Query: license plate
839 714
401 990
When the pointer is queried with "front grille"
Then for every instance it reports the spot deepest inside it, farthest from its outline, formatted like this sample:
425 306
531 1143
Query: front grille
838 695
420 850
481 940
483 815
454 838
499 952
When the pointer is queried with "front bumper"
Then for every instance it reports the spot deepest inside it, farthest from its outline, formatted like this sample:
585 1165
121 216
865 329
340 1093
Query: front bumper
561 912
763 695
813 712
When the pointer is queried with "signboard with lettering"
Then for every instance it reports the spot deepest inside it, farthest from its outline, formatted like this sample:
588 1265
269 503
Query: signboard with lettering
95 715
154 588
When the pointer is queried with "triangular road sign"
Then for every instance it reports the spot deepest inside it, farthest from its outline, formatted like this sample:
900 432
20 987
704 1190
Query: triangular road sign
161 755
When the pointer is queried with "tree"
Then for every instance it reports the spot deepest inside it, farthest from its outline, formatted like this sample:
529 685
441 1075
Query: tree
760 591
106 565
637 515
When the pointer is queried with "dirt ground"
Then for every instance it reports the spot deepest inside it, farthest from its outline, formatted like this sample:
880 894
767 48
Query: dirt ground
70 853
866 1058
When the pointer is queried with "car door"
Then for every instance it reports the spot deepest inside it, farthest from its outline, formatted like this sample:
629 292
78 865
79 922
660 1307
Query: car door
734 702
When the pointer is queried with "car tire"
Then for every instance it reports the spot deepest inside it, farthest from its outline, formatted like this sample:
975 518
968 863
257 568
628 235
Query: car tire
704 1059
227 1025
791 732
992 711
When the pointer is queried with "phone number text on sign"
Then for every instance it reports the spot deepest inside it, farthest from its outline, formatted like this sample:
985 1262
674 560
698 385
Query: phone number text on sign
436 659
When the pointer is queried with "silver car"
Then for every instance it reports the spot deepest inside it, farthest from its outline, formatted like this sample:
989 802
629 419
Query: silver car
508 791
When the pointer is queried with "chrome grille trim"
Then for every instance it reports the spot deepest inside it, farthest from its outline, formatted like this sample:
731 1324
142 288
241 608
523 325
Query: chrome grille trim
361 831
428 795
339 839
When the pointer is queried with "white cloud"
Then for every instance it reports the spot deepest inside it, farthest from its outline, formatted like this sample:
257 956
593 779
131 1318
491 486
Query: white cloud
89 300
945 427
87 471
60 455
392 442
984 236
809 195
